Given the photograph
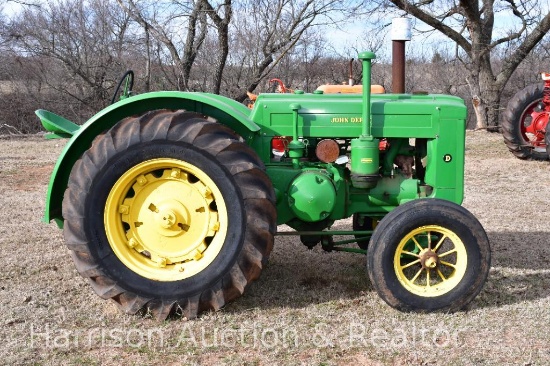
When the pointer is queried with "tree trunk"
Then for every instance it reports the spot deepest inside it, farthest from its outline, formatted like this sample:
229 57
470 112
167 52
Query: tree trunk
486 93
148 60
222 26
223 38
197 22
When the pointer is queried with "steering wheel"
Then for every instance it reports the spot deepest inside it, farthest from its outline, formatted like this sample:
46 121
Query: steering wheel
128 80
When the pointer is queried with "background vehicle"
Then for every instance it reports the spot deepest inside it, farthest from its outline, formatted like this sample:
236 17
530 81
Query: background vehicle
170 201
525 121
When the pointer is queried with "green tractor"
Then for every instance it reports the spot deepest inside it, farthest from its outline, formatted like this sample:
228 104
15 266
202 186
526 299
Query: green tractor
170 201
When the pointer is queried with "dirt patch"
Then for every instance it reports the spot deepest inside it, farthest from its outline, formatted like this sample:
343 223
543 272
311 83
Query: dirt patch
28 178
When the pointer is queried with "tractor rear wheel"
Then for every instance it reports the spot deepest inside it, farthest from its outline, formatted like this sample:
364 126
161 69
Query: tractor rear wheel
169 213
524 124
428 255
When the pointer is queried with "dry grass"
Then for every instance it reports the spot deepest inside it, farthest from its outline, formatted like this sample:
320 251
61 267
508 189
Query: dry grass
309 307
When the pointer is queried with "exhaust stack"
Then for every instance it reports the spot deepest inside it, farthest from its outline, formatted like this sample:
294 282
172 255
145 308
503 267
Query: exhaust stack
400 33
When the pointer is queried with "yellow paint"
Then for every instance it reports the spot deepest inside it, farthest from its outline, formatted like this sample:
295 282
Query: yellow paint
344 119
165 219
430 281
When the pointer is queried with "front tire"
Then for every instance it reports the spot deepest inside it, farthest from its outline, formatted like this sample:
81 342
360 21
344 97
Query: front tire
169 213
428 255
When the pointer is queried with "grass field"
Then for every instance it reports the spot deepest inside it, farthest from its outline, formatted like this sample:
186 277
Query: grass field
308 307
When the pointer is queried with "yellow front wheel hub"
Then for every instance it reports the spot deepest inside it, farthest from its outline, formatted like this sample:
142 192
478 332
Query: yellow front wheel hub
430 261
165 219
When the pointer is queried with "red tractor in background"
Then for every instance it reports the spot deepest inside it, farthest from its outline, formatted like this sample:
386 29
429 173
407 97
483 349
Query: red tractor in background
525 121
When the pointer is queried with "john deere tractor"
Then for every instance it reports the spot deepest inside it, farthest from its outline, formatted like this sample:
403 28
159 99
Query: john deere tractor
170 201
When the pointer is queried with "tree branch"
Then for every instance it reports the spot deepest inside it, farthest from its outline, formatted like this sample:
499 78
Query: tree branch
432 21
523 50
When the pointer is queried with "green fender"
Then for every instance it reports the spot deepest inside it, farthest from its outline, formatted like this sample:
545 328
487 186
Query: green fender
225 110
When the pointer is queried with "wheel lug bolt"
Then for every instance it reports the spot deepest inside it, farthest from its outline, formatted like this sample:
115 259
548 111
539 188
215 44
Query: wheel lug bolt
132 243
162 262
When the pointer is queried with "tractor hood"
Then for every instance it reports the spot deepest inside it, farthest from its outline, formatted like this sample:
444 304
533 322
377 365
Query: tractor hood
339 115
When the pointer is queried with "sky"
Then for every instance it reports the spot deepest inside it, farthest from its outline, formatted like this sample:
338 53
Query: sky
351 33
424 38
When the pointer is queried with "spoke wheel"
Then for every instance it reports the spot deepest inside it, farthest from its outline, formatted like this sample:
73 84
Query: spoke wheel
169 213
524 124
428 255
430 261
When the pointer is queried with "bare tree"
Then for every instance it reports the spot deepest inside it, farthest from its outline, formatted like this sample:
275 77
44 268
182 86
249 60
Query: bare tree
471 25
162 28
196 29
75 49
249 37
221 18
274 27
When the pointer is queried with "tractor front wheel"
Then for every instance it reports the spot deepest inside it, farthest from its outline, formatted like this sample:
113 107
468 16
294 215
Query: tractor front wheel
169 213
428 255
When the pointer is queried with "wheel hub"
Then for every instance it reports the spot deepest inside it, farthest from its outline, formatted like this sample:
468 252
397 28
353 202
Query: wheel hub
429 259
168 219
161 221
534 122
167 216
171 218
539 125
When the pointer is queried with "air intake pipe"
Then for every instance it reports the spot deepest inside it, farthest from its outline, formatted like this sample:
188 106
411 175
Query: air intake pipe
364 149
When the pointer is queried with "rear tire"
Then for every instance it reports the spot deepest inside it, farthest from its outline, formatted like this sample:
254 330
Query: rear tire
428 255
517 119
169 213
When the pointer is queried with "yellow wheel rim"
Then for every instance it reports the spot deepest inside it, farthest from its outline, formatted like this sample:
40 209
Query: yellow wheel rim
430 261
165 219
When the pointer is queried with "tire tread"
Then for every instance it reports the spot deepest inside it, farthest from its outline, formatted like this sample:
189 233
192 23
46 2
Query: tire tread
230 151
